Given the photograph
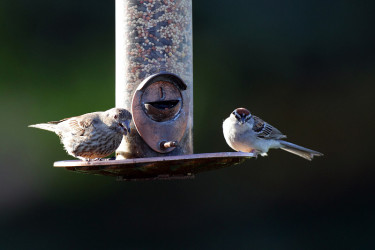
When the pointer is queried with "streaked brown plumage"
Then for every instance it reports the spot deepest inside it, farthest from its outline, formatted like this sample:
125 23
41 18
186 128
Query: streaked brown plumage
92 135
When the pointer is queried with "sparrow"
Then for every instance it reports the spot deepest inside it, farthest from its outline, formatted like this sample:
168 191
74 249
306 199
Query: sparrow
248 133
92 135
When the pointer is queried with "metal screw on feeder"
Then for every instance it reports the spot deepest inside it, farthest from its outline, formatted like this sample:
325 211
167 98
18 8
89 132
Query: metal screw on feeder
168 144
154 79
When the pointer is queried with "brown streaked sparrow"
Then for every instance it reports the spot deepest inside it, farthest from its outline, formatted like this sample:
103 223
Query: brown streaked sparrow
247 133
92 135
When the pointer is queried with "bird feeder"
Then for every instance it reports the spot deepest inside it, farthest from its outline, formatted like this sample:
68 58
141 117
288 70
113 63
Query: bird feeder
154 80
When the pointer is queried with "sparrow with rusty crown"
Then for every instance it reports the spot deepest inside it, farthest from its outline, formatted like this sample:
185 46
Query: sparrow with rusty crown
92 135
247 133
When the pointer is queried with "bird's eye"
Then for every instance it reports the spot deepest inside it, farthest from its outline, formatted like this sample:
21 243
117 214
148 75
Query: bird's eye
116 116
234 113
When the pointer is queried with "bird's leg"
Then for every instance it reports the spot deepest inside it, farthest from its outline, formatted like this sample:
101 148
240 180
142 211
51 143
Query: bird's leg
255 153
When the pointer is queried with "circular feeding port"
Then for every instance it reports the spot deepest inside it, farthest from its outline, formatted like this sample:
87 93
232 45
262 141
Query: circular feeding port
162 110
162 101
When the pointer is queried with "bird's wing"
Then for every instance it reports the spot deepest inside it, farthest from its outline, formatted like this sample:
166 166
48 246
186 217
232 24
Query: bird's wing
78 124
265 131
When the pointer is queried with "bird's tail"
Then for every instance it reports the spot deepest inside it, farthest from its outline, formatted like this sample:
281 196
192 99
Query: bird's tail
298 150
45 126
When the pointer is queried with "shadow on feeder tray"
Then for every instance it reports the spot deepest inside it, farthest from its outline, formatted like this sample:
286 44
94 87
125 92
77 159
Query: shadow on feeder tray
157 168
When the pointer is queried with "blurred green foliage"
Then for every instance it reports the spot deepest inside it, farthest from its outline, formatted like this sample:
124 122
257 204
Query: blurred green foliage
307 67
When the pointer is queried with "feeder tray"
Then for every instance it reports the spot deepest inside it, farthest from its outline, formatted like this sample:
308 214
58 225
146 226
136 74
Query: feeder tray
155 168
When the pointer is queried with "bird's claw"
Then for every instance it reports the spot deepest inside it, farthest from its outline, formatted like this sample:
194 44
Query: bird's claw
99 159
255 153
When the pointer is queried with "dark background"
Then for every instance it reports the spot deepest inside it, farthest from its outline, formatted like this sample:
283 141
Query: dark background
307 67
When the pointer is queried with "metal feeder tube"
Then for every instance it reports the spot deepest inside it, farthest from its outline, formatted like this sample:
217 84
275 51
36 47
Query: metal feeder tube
151 37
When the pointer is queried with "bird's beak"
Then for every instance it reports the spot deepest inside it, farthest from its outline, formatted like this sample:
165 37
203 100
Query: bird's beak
126 127
242 121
